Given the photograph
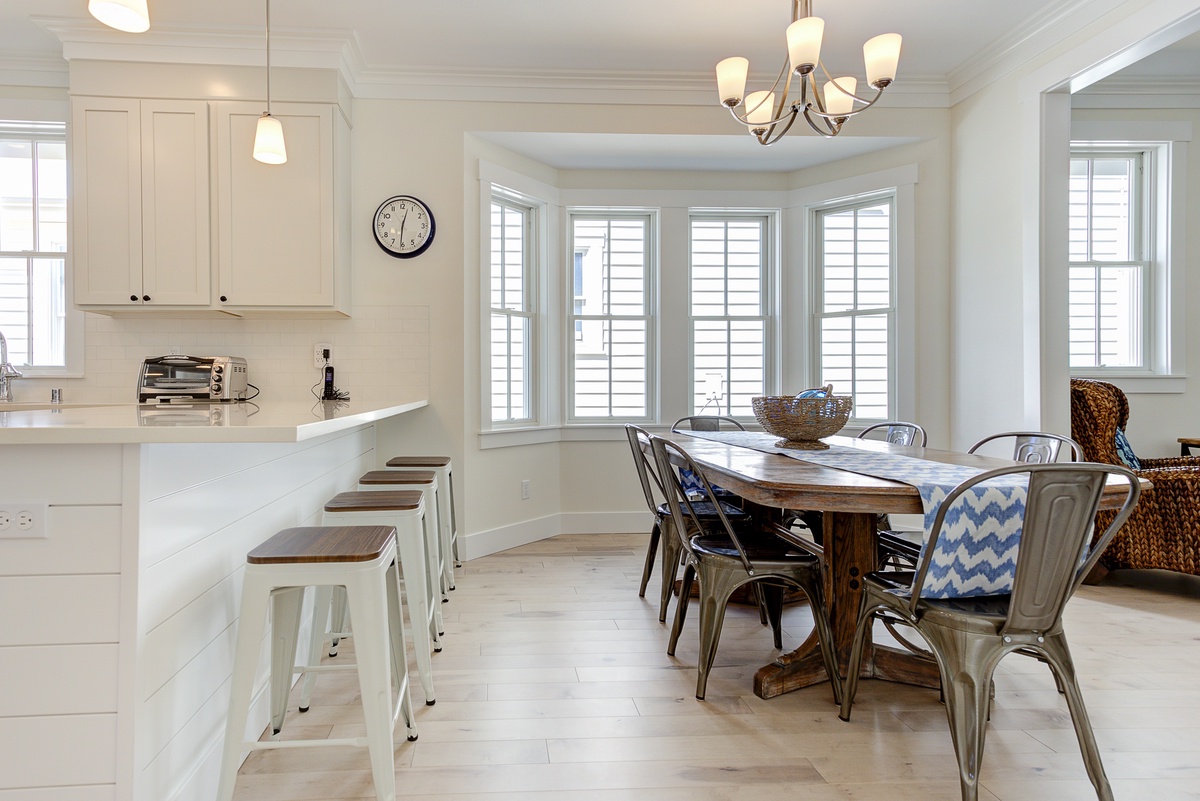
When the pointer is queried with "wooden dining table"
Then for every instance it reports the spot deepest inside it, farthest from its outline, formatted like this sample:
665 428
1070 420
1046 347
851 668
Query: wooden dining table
851 503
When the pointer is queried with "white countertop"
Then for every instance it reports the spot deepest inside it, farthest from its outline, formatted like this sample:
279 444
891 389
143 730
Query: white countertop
199 422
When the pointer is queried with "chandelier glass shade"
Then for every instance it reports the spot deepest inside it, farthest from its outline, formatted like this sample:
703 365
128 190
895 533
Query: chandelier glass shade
769 115
130 16
269 147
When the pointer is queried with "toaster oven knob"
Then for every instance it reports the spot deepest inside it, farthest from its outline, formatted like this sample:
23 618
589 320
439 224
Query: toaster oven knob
218 369
217 378
216 390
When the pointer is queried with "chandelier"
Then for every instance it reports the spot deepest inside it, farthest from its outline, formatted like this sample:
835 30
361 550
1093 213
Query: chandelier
770 114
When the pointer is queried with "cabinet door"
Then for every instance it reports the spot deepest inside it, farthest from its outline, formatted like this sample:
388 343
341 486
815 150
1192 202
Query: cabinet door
275 222
106 205
176 264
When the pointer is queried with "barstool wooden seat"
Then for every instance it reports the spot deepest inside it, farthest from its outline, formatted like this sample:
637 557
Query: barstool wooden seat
406 511
437 542
363 560
445 470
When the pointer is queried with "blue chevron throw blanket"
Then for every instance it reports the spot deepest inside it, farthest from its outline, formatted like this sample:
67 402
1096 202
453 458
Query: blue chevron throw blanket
976 552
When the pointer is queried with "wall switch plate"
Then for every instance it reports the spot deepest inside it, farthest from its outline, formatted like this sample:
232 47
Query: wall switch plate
525 490
24 520
319 354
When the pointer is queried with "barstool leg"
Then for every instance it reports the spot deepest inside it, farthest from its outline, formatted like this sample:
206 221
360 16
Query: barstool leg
437 627
285 629
445 534
337 619
411 546
367 597
251 623
400 681
321 613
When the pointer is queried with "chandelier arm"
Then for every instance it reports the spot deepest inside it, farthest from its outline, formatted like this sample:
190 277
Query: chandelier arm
768 123
820 113
829 127
768 139
841 89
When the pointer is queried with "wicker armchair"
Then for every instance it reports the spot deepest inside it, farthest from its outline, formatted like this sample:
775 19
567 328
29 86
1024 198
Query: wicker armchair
1164 530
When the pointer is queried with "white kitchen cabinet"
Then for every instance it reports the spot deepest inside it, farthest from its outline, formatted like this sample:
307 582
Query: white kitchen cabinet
282 238
140 203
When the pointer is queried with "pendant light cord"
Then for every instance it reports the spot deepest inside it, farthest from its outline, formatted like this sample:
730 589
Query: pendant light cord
268 57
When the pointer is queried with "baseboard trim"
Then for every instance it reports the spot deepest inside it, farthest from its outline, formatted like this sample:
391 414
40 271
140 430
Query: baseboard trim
483 543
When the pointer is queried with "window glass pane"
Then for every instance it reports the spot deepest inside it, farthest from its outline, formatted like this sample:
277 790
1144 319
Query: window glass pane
14 308
508 257
16 195
48 313
52 197
509 367
612 266
729 365
611 379
855 306
1105 317
511 324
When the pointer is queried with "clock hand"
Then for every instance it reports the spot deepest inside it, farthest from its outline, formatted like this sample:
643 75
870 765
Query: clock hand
402 219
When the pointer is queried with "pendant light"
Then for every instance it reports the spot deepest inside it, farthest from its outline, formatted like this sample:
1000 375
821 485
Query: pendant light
130 16
268 137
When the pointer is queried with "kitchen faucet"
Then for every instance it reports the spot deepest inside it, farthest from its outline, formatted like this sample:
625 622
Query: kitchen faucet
7 372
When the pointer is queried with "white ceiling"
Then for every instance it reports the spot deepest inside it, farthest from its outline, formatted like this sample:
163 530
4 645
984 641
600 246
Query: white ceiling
660 40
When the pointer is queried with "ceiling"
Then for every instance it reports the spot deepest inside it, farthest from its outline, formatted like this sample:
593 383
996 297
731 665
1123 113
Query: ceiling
663 40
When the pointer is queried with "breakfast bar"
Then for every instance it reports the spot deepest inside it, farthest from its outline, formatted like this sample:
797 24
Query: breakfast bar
128 583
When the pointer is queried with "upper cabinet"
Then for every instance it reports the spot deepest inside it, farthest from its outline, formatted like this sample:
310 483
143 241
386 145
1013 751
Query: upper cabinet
149 233
140 202
281 232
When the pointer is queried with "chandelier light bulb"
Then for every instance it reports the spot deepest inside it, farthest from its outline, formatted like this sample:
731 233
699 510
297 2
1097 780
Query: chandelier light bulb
882 55
130 16
839 100
731 80
804 43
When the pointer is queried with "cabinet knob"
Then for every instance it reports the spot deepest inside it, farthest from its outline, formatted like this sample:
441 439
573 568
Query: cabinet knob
133 298
145 297
223 298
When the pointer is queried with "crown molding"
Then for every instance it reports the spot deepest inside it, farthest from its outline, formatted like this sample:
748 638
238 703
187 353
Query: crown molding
1140 93
1054 23
19 69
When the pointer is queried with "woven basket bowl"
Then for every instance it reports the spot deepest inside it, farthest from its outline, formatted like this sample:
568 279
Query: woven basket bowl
801 422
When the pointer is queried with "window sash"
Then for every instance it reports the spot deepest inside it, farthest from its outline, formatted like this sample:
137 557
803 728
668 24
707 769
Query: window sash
855 303
33 243
729 259
611 351
512 320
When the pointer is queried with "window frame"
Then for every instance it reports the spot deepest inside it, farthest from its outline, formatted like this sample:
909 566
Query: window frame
1161 188
531 270
814 214
649 315
27 119
769 272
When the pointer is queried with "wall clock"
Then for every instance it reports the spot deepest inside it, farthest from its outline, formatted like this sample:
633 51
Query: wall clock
404 226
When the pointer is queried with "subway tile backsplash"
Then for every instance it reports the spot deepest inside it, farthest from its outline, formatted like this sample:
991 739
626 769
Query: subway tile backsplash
380 355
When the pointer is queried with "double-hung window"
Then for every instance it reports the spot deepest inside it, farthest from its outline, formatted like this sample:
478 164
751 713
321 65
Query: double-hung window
854 317
33 243
1111 259
612 346
728 308
513 308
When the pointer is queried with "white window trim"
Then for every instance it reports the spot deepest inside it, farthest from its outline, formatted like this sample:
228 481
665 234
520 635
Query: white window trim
74 322
1168 139
796 292
542 199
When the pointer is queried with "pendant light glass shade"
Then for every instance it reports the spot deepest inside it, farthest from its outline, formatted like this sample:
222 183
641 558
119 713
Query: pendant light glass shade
839 96
268 141
882 55
731 80
130 16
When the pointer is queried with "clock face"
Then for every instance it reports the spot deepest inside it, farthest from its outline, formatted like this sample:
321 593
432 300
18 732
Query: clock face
404 227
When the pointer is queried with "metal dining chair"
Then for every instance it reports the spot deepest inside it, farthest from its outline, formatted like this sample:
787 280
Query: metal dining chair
664 527
707 422
725 553
969 636
897 433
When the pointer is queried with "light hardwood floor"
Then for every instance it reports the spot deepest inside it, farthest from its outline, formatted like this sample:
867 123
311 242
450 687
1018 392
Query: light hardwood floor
554 685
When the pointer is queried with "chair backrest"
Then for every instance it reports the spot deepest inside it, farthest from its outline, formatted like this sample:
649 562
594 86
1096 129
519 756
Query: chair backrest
639 443
1035 447
1053 556
898 433
1098 409
673 461
707 422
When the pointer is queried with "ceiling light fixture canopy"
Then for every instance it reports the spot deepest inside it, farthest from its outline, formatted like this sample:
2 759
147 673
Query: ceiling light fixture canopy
130 16
770 114
269 147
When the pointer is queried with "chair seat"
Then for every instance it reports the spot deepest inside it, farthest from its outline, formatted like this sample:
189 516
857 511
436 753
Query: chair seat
765 551
988 612
706 509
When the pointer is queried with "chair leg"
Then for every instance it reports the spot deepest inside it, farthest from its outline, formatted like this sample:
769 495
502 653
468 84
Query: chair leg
813 587
866 615
1059 658
967 662
651 550
671 550
715 588
770 597
685 595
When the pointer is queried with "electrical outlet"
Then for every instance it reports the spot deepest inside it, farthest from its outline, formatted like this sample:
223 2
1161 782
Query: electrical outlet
525 490
319 350
23 519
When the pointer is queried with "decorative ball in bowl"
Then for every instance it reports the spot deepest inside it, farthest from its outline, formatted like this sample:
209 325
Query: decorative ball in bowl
802 421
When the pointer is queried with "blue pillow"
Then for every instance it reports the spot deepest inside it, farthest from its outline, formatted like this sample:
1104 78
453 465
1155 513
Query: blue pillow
1125 451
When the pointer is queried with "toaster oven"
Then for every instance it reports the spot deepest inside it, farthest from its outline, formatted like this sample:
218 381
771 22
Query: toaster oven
167 379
